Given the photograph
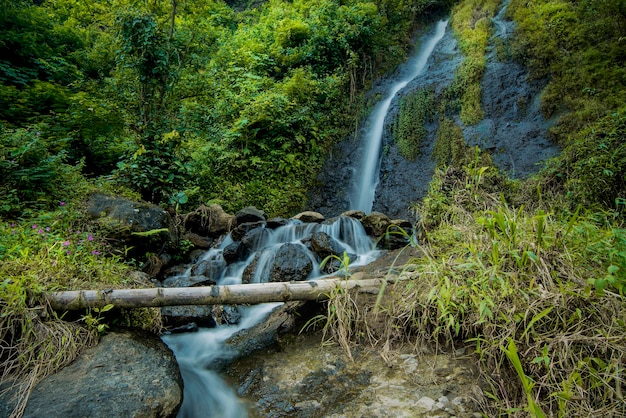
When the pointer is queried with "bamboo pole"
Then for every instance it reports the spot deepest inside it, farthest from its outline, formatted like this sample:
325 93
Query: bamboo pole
209 295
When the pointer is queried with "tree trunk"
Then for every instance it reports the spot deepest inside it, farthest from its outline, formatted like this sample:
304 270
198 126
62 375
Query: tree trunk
210 295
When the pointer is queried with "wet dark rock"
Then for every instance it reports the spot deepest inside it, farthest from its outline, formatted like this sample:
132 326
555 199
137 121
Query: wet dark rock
376 224
121 219
209 221
198 241
129 374
280 321
310 217
276 223
234 252
291 263
254 239
323 246
238 233
248 273
250 214
176 316
210 268
514 128
188 281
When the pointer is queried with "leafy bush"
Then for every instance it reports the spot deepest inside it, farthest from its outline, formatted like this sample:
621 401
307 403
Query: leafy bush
33 172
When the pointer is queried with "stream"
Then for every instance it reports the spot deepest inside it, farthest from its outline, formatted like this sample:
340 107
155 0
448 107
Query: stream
198 352
364 177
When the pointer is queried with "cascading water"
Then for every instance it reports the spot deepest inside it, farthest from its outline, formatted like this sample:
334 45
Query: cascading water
366 176
205 393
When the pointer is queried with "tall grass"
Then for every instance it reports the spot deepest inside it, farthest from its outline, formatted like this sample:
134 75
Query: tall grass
537 293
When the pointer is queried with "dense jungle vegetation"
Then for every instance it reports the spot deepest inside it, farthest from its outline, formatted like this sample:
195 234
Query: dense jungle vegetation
185 102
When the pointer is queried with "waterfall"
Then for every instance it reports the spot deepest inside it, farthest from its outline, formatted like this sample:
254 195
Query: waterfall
366 176
205 392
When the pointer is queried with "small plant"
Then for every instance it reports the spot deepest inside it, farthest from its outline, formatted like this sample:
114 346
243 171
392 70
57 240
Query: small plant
95 322
342 310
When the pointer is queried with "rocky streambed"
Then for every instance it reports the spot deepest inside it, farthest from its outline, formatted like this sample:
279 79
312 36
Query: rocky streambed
302 377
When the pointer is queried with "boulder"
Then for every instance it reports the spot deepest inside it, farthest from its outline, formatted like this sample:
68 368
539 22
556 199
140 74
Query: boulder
375 224
323 246
291 263
250 214
255 239
310 217
234 252
176 316
209 221
197 240
238 233
211 268
129 374
131 223
188 281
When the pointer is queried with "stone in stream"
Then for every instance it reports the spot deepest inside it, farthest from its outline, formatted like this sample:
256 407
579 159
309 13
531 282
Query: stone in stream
290 263
324 246
309 217
128 374
250 214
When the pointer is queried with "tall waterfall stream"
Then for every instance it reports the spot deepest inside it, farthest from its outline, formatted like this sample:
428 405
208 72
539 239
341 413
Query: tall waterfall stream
366 176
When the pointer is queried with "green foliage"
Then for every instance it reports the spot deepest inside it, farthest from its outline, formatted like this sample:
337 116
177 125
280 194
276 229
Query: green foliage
450 146
33 172
471 24
580 47
596 152
409 131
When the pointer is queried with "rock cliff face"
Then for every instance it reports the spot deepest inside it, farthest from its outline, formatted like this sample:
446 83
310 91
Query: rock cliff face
513 130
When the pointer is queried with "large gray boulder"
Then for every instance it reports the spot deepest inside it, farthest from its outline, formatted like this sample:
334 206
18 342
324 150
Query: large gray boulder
129 374
290 262
250 214
130 222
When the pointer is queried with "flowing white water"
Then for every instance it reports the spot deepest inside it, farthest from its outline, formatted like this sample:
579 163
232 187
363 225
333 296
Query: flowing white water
205 392
367 175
